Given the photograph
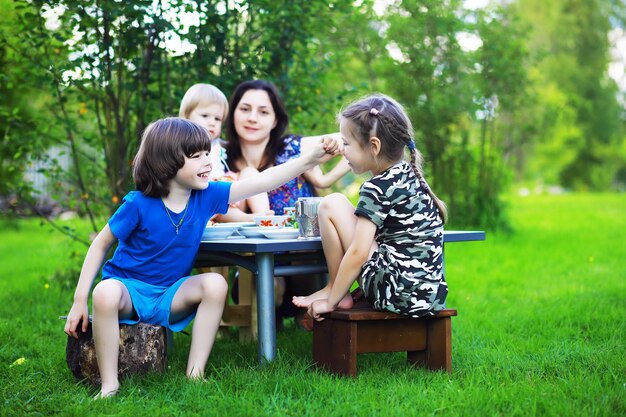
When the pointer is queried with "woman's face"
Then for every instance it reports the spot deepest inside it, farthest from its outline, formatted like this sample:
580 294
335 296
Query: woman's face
254 117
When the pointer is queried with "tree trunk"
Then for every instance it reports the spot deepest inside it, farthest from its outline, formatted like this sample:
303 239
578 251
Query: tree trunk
143 348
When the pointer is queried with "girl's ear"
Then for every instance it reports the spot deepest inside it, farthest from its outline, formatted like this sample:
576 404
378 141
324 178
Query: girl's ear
375 145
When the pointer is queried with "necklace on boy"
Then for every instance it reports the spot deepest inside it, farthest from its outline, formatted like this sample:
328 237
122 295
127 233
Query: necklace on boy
167 211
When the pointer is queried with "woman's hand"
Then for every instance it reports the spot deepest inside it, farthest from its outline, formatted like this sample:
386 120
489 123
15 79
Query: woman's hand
319 307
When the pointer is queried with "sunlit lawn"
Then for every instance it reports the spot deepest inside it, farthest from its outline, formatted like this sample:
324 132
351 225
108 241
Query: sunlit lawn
540 331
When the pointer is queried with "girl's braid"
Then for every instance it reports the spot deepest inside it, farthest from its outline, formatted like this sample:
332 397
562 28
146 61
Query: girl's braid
401 133
398 132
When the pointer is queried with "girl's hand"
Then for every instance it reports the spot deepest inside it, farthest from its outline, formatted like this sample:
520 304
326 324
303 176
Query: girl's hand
79 313
319 307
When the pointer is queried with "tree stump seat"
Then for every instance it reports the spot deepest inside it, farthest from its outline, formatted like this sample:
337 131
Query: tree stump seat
143 348
345 333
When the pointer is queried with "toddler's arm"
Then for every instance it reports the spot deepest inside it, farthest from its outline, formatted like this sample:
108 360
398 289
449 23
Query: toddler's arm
93 261
320 180
237 215
278 175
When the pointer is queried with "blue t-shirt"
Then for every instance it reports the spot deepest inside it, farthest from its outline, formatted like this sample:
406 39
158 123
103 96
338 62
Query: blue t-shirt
149 248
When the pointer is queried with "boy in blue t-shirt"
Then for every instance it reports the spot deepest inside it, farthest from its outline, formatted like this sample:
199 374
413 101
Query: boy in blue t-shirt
158 229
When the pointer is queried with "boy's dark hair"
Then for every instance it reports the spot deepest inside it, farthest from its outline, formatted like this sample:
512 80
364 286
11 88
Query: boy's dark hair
164 145
275 145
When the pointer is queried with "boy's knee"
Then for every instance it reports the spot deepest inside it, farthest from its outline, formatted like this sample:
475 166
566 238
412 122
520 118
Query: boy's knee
107 295
214 285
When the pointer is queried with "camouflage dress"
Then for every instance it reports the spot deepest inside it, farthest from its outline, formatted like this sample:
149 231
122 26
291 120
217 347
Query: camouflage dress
405 274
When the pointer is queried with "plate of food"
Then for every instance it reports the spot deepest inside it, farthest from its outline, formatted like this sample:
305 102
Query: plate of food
283 233
271 221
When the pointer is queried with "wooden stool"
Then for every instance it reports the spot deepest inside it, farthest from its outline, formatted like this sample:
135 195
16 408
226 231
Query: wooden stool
345 333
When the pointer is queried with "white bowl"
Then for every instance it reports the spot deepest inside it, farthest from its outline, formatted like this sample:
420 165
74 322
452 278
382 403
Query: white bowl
252 231
238 224
271 221
219 231
284 233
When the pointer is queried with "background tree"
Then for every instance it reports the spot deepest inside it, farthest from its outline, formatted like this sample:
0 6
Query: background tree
580 138
23 131
457 96
114 67
513 88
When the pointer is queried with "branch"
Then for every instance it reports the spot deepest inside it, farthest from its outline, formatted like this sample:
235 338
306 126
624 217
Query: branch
63 230
75 159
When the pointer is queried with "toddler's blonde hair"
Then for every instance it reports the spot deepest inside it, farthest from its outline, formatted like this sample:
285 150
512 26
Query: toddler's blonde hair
202 94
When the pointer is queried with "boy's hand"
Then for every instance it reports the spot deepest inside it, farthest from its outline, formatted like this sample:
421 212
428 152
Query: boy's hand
331 146
326 149
78 314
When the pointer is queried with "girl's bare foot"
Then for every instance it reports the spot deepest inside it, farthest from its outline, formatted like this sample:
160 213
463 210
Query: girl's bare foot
306 301
346 302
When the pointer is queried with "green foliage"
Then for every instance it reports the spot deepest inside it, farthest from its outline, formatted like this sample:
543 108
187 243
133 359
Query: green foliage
578 115
531 101
349 53
114 67
460 100
19 113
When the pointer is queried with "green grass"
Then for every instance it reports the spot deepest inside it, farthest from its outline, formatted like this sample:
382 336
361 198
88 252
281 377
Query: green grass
541 331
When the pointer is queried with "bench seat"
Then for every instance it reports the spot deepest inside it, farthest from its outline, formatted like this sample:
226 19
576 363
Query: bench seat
345 333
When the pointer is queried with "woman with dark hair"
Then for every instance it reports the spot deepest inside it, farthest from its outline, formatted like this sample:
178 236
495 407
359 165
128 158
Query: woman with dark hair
256 140
255 134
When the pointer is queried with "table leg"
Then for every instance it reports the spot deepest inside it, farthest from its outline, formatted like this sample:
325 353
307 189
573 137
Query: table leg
265 307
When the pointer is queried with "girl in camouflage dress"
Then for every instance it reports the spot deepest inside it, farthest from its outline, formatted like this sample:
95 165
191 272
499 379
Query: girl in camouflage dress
393 241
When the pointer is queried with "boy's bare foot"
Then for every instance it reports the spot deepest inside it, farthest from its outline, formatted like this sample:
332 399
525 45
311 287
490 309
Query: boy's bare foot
195 376
106 393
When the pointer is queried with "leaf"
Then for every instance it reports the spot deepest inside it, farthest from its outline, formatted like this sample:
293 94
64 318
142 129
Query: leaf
17 362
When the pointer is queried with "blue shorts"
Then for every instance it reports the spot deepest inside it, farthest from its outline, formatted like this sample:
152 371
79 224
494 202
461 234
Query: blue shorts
152 304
